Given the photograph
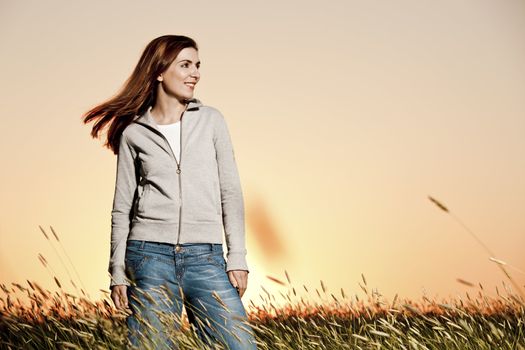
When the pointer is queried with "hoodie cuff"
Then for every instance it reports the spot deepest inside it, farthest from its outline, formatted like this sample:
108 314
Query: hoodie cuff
118 277
237 261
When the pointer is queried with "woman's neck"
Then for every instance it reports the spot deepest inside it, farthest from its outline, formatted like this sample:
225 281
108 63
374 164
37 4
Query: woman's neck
168 112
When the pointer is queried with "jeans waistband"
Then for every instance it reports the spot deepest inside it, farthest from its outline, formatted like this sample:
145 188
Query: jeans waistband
168 247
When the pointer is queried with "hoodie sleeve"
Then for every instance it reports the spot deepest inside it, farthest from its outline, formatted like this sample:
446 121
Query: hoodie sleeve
125 185
231 198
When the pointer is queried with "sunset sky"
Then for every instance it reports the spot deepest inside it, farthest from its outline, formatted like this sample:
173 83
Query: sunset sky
344 115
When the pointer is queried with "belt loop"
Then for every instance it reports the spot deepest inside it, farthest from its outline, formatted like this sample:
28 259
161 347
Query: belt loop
142 243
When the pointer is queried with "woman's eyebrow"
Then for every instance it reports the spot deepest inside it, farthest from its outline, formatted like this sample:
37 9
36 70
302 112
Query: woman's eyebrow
198 62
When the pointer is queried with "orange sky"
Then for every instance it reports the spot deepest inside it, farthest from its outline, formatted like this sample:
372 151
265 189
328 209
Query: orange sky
344 116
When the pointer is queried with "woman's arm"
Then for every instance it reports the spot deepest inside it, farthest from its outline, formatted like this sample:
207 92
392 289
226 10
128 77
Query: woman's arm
231 198
125 187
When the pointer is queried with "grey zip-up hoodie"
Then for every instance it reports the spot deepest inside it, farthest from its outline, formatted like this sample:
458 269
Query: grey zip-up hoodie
159 199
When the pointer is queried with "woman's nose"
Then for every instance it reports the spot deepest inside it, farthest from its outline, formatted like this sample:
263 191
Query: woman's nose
195 73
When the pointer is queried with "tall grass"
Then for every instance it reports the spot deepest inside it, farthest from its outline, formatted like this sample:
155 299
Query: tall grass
60 320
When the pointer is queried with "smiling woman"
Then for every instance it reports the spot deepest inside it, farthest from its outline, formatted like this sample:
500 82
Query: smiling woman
168 219
179 79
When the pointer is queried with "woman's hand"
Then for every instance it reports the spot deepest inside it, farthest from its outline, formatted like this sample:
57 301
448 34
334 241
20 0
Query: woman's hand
119 296
239 279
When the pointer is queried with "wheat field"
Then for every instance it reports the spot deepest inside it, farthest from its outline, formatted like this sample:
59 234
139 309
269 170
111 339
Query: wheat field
32 317
60 320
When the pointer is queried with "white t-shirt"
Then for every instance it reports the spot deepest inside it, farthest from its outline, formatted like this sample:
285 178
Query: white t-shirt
172 133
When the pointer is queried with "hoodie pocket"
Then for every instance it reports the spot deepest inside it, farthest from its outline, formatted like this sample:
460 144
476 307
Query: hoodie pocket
217 196
143 198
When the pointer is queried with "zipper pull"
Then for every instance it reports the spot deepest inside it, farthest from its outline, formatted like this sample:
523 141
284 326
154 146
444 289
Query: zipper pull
178 168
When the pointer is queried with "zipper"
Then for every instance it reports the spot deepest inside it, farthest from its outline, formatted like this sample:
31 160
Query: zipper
177 246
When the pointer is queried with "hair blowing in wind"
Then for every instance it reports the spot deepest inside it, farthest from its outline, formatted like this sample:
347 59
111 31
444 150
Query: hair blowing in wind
139 90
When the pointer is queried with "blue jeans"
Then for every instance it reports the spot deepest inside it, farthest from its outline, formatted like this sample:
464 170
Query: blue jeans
163 280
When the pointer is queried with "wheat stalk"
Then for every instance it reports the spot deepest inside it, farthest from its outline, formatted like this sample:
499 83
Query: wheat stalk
485 247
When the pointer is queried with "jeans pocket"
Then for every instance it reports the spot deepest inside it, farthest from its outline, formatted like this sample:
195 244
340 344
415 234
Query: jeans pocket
134 264
217 259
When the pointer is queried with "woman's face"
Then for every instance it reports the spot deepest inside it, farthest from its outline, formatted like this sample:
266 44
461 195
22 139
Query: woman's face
182 75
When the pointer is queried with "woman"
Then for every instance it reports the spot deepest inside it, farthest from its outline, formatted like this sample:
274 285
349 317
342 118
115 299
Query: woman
177 187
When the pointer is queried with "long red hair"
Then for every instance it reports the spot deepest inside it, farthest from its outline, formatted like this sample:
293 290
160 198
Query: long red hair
139 91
